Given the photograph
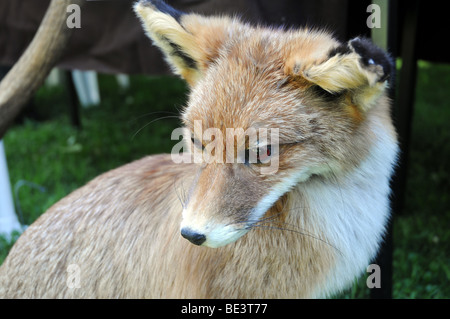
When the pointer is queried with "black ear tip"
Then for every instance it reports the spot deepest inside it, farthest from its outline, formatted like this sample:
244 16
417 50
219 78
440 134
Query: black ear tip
152 2
163 7
373 55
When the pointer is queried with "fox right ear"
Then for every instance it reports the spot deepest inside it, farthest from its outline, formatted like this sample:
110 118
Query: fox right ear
358 67
189 41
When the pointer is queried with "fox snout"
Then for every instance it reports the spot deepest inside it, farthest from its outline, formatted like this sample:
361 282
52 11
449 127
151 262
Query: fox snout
218 208
226 201
213 236
193 236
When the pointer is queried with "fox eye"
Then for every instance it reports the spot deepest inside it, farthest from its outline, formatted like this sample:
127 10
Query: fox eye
262 155
197 143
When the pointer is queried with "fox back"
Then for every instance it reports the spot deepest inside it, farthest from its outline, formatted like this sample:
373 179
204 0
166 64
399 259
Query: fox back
279 187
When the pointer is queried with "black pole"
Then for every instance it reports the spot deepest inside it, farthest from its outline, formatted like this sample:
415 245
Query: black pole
74 103
402 114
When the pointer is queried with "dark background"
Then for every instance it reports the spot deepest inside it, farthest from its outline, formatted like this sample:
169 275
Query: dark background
111 39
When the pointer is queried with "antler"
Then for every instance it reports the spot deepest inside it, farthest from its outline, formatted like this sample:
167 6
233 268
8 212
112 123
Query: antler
30 71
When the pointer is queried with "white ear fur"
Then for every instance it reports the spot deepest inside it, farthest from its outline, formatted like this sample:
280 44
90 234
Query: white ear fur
178 45
342 72
359 67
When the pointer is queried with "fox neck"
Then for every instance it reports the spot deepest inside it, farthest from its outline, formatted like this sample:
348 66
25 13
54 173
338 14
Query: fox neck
347 212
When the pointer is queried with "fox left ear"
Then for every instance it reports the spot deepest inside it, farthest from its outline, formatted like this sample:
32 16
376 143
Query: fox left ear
358 66
189 41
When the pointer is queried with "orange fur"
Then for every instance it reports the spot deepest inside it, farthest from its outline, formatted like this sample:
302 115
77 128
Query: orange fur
305 231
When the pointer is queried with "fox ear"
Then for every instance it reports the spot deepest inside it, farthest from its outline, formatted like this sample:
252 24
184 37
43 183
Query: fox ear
358 66
189 41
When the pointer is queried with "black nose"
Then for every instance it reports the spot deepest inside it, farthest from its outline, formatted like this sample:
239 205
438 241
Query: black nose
192 236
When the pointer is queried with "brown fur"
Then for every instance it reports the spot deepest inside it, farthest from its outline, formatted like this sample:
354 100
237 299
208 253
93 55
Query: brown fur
127 245
123 228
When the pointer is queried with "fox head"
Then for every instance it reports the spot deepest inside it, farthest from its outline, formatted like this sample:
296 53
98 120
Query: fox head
318 94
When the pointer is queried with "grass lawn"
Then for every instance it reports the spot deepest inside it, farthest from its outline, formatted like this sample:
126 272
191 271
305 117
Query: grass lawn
130 124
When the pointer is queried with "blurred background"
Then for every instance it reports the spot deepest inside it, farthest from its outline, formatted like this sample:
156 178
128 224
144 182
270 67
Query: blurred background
111 100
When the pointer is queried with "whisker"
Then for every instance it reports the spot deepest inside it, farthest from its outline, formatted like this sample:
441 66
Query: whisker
268 218
258 220
159 118
279 223
265 222
181 197
272 219
184 193
178 195
264 219
271 222
298 232
152 113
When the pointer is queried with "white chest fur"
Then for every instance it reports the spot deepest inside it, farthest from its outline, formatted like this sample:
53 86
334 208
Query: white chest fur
353 211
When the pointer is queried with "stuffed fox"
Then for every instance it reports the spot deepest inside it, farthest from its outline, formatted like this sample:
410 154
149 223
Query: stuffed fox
225 228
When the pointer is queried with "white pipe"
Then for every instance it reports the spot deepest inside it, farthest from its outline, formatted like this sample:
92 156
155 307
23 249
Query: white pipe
8 217
86 85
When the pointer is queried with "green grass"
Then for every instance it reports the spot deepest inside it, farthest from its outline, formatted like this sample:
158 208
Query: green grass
421 260
136 122
421 232
57 156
